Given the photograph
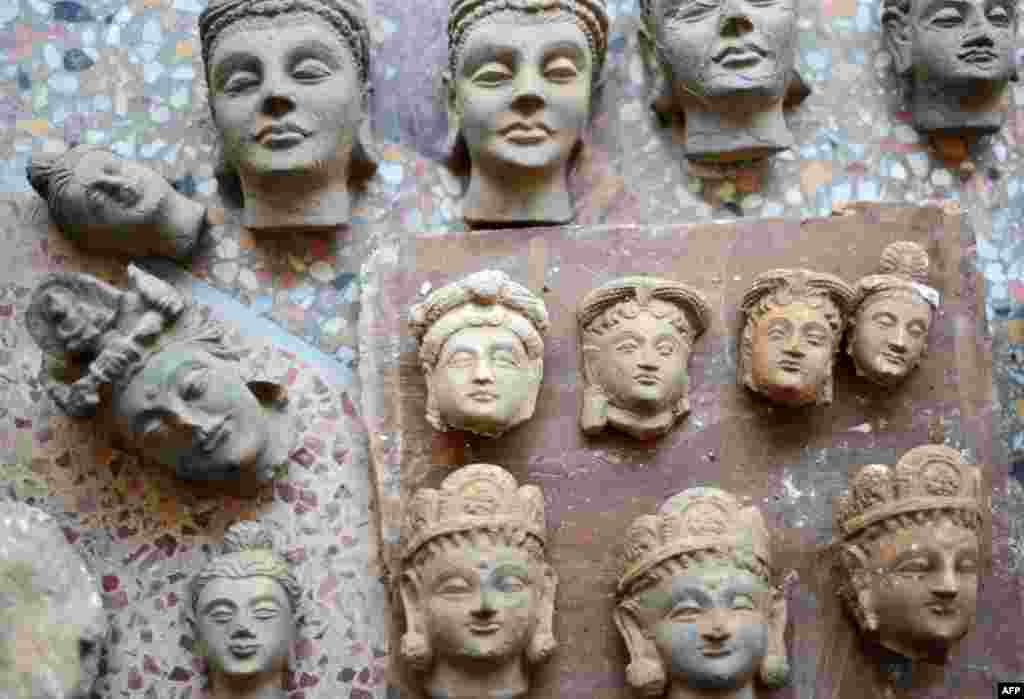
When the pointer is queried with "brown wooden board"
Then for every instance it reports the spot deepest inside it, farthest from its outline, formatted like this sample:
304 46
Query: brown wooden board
790 463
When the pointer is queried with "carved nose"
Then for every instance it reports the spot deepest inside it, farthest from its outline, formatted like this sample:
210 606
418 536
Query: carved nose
793 348
483 372
898 341
716 629
736 25
277 105
529 95
485 607
947 586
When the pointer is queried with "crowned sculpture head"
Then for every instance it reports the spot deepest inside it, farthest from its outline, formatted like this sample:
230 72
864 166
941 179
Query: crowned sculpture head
725 67
289 88
957 59
166 378
907 548
521 78
243 607
636 335
892 315
695 603
481 344
106 203
477 591
53 629
793 324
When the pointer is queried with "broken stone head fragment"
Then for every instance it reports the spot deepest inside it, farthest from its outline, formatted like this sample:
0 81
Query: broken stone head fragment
893 313
53 630
695 602
723 67
636 335
243 608
169 380
907 548
288 84
957 59
520 82
477 591
793 324
108 204
482 352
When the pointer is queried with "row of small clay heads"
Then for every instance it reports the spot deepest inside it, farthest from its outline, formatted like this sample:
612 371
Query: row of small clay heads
481 343
289 84
696 603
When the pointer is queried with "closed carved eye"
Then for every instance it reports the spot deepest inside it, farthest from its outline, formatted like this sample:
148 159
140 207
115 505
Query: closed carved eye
492 74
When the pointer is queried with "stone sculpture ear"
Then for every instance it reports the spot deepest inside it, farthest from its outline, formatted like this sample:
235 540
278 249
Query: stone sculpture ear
660 92
855 561
458 152
594 414
365 156
645 672
775 666
415 646
898 41
543 644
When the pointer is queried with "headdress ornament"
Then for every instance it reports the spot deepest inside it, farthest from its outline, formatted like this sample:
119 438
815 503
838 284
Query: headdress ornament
697 519
347 17
904 266
591 15
479 496
641 290
930 477
784 286
491 289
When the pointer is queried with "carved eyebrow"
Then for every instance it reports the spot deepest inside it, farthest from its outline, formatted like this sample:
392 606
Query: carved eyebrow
219 602
315 48
565 47
933 7
508 347
264 599
476 56
233 62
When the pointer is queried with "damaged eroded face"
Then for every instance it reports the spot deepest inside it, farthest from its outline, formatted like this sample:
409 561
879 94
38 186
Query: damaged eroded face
964 41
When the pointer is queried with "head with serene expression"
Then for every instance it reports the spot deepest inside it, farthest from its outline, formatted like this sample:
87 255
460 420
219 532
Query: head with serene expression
793 322
893 313
477 592
481 349
521 80
636 335
695 604
908 551
107 203
289 92
53 629
243 608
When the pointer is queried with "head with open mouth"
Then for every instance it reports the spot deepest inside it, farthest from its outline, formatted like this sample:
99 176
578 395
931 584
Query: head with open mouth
107 203
242 608
289 91
695 604
481 343
725 65
477 592
793 322
636 337
893 313
957 56
907 551
521 78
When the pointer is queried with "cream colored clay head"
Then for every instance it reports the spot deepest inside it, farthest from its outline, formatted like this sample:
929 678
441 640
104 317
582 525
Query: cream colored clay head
477 592
243 608
481 349
695 603
793 323
907 549
636 335
892 315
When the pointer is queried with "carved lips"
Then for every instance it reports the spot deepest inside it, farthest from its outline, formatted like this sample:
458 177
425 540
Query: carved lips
281 136
525 134
738 57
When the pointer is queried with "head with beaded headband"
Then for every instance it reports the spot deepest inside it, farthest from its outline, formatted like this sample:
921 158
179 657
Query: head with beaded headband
53 627
793 323
636 337
482 352
243 608
167 379
522 75
696 606
476 588
289 90
907 551
892 315
726 66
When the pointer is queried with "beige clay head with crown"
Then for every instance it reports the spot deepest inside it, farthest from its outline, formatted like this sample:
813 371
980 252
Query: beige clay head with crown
907 551
695 604
793 322
892 315
636 335
481 344
477 591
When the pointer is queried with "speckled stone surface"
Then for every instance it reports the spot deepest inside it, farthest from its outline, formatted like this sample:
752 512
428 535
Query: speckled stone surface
127 73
